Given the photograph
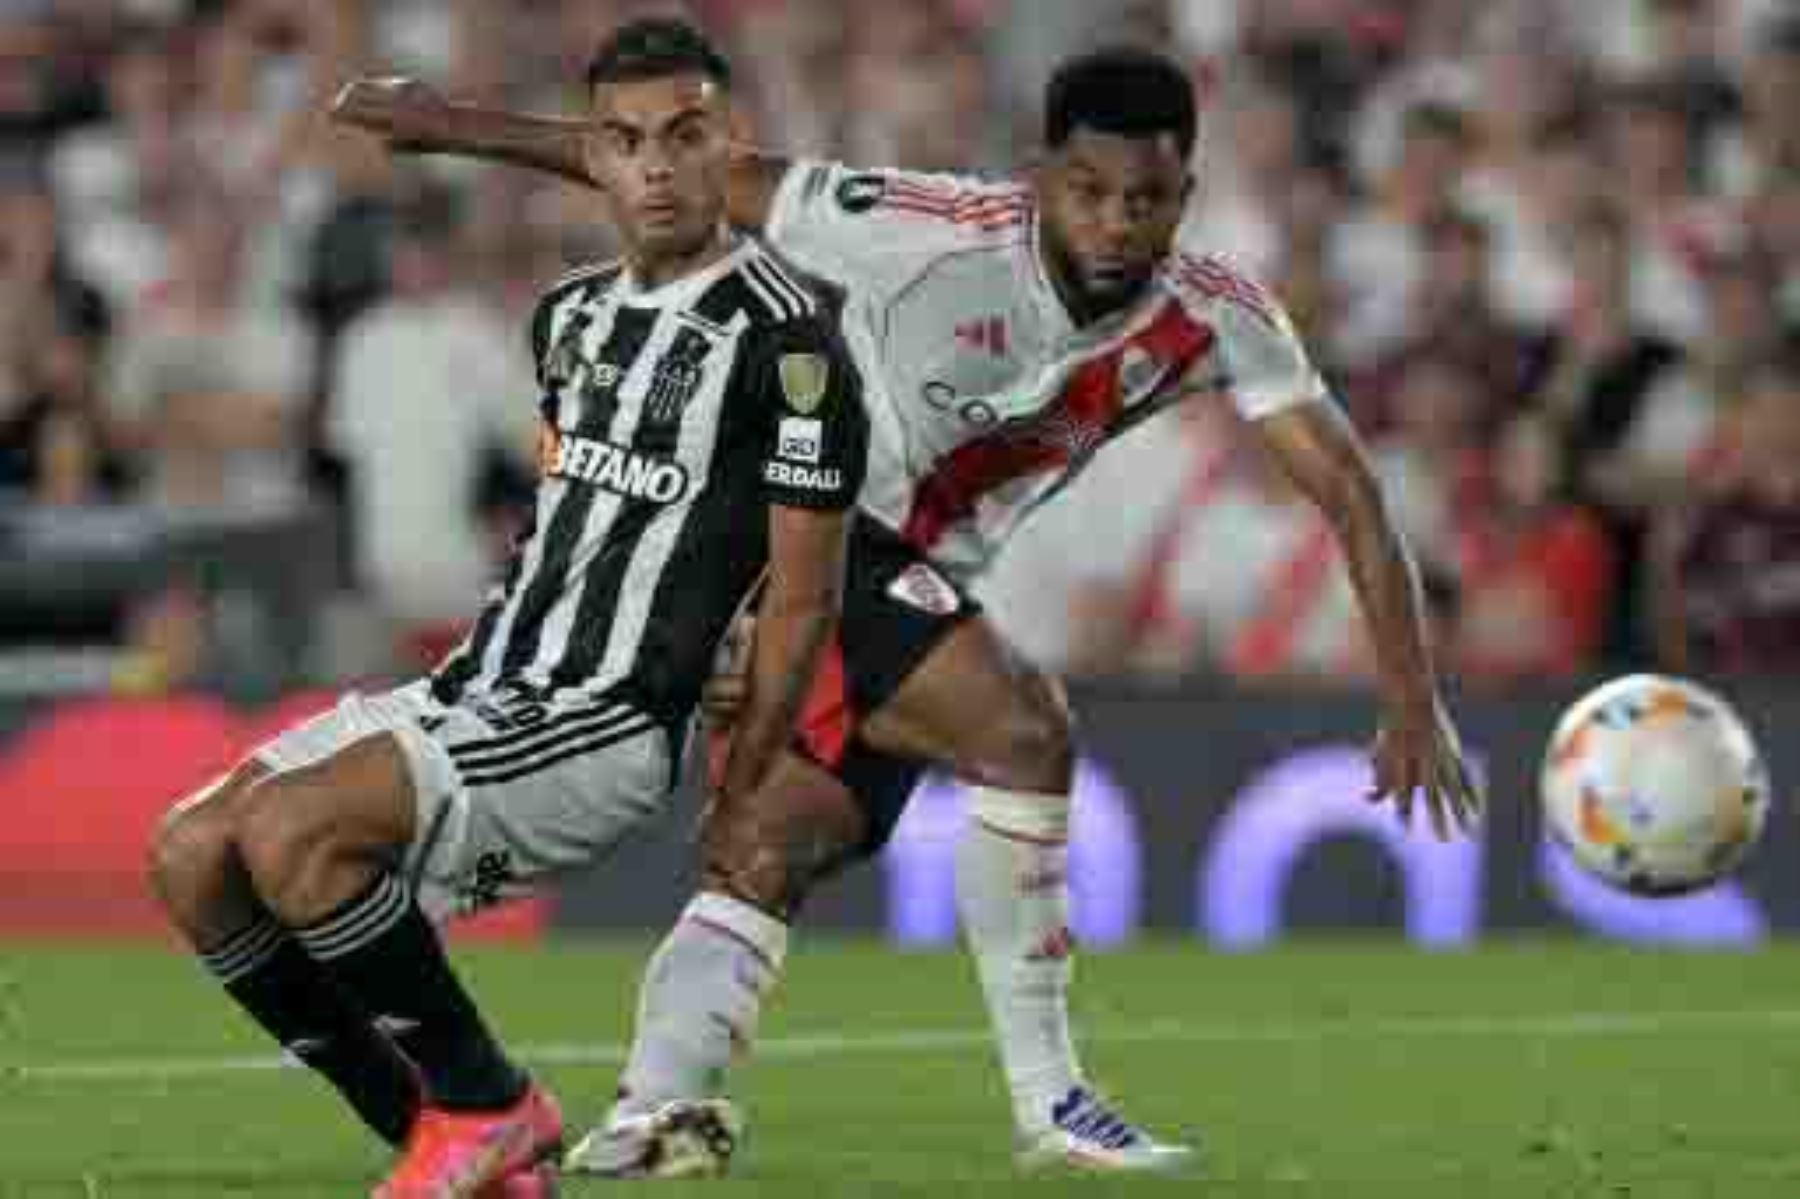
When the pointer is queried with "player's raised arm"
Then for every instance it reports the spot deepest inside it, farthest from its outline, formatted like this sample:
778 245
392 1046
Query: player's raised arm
413 117
812 471
1418 750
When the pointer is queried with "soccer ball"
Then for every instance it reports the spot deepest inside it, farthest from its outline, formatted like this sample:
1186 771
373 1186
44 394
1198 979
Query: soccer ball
1654 785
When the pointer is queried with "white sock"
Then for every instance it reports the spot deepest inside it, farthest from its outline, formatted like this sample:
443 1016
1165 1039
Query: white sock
1013 893
698 1006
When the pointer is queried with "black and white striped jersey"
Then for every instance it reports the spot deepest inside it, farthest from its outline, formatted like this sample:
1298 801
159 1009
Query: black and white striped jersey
672 419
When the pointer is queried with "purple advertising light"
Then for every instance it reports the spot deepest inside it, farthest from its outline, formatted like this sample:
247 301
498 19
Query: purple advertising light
1300 801
1722 915
1105 863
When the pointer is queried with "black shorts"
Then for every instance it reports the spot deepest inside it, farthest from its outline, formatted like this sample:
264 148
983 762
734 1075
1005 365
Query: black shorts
897 609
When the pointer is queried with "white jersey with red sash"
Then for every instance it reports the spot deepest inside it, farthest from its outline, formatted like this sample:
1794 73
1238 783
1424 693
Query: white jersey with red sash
984 397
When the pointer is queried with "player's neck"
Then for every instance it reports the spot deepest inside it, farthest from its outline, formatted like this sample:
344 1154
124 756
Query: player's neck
651 271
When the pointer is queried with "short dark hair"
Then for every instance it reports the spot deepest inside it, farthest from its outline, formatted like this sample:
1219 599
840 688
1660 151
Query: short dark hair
654 48
1122 90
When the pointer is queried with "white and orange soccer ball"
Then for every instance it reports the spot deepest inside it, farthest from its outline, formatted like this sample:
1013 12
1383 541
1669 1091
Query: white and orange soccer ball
1655 785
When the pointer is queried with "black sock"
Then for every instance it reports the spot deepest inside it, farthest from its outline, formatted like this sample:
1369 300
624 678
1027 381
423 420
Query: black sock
271 977
384 952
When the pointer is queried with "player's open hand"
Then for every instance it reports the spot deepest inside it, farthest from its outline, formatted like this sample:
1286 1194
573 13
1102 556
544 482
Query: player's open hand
1418 755
406 113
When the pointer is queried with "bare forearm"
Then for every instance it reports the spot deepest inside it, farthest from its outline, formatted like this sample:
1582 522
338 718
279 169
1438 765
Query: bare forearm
411 117
1393 603
550 144
789 644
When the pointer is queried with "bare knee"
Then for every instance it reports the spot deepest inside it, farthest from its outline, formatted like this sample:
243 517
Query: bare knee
288 844
193 863
1030 745
772 854
312 839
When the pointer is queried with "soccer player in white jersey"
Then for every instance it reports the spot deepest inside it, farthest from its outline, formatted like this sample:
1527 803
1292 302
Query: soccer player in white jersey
1007 332
703 438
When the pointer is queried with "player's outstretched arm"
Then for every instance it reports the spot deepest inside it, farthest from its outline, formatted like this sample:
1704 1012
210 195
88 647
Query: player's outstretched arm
413 117
794 623
1418 751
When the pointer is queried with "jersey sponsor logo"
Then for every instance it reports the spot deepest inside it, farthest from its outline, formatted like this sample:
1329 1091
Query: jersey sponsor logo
804 478
919 586
801 439
804 378
618 470
861 193
944 398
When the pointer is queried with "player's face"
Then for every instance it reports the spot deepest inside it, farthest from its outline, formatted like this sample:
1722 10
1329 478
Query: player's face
660 150
1111 206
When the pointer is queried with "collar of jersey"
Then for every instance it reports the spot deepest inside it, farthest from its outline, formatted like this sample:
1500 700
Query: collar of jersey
689 286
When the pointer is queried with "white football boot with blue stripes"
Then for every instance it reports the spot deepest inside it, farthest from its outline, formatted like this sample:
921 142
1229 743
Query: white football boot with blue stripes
1084 1133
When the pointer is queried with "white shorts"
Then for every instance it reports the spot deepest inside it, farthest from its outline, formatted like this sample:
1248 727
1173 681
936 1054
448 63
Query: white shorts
509 791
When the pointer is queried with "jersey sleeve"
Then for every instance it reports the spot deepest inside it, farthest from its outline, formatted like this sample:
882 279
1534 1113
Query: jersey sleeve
1258 360
841 223
816 432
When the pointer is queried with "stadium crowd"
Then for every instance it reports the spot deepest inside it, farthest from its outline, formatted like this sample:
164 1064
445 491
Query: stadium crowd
1549 254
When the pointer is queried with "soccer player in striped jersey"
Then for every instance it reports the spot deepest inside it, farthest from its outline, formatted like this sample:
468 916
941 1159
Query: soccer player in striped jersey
703 441
1007 332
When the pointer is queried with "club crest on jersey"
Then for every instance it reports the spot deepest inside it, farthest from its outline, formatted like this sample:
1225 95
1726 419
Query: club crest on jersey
676 377
1139 374
614 468
919 586
804 378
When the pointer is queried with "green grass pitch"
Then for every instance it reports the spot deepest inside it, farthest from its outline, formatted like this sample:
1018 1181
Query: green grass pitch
1341 1070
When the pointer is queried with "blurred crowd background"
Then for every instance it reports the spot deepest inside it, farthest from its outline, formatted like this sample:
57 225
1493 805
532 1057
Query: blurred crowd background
266 408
